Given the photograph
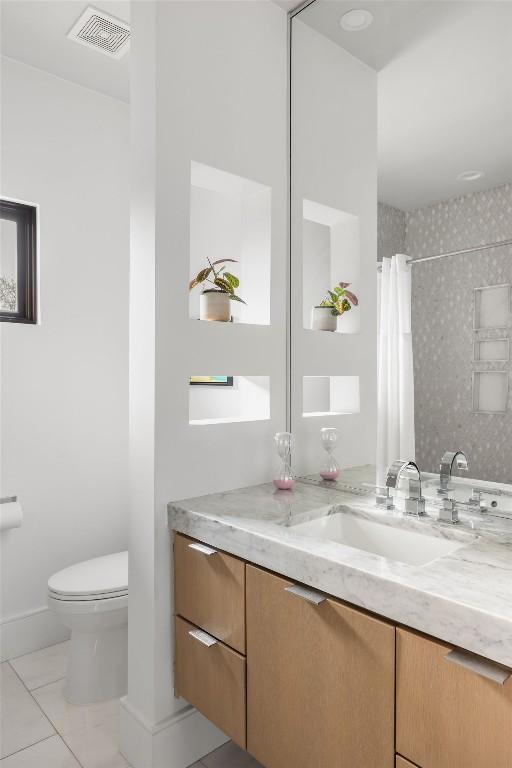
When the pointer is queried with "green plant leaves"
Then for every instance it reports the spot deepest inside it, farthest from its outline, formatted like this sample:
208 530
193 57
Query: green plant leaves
222 280
224 285
232 280
200 277
339 299
222 261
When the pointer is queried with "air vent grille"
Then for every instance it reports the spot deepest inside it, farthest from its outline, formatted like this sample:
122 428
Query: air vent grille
104 33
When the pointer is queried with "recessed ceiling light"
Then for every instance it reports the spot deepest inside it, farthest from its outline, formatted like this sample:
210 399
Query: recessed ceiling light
356 20
470 175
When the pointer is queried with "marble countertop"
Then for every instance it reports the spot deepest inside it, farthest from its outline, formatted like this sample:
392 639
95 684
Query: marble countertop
464 598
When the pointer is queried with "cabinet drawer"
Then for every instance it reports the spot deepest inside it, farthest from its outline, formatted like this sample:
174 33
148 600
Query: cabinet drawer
210 590
212 679
448 716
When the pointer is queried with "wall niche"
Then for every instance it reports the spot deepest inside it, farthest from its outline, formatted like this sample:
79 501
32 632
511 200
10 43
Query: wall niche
330 395
230 217
330 254
241 398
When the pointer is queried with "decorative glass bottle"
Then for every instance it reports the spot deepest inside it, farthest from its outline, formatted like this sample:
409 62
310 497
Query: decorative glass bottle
329 438
284 444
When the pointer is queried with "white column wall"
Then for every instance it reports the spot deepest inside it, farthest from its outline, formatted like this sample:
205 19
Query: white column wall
209 84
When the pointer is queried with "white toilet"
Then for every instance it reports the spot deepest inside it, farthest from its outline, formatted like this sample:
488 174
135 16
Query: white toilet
91 598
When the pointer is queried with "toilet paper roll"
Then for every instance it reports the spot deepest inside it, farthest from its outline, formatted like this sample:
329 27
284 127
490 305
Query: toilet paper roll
11 515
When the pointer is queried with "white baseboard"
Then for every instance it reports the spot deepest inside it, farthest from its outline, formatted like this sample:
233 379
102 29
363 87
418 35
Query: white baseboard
26 632
180 740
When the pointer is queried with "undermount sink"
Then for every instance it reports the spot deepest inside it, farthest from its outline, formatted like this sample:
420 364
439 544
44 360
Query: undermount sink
391 542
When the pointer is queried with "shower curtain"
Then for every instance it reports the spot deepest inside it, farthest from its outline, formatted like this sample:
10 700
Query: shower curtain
395 379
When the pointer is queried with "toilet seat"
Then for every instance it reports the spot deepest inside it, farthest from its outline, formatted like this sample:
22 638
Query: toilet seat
86 597
102 578
91 607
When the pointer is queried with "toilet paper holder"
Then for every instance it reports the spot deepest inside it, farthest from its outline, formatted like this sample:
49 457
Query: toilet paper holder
8 499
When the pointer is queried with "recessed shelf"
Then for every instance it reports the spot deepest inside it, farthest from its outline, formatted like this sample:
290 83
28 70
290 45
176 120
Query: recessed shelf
491 307
230 217
490 391
330 395
330 254
491 350
247 399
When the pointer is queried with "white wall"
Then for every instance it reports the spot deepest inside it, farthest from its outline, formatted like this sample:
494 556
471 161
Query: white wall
334 166
208 85
316 266
65 381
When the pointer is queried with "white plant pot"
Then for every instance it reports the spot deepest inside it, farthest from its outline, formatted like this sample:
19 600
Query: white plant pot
215 305
322 319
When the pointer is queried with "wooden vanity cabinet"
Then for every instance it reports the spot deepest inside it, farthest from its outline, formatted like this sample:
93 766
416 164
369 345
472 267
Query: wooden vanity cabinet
320 680
318 685
209 601
448 716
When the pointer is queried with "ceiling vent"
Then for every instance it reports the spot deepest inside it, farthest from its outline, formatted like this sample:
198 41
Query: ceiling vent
104 33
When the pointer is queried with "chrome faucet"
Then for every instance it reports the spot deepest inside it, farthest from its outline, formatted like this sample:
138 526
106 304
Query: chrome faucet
446 468
414 503
449 511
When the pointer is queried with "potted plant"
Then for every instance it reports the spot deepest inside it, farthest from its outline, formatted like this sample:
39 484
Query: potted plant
214 302
324 317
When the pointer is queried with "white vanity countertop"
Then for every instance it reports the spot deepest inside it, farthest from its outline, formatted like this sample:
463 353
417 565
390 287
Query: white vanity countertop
464 598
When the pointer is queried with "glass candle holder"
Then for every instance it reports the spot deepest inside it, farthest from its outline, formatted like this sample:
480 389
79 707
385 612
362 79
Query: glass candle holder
329 438
284 444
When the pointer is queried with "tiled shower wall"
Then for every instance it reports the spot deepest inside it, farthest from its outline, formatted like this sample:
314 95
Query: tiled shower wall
390 231
442 321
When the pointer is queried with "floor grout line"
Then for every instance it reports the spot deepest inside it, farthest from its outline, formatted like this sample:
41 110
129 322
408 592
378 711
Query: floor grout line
29 746
62 736
43 685
56 731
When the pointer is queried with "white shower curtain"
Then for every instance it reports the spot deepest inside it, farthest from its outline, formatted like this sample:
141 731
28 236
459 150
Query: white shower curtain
395 380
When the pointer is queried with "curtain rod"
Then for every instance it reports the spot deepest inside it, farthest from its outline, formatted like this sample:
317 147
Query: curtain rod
497 244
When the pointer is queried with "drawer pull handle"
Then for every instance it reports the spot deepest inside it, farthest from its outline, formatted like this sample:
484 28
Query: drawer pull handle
203 637
482 667
202 548
306 594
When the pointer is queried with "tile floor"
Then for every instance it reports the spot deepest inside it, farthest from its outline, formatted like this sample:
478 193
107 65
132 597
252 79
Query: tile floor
39 729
